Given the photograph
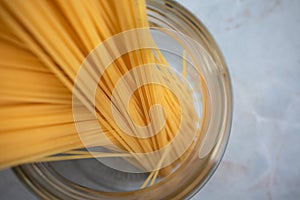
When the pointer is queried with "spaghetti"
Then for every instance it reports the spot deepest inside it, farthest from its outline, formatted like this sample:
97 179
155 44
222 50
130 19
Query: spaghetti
42 47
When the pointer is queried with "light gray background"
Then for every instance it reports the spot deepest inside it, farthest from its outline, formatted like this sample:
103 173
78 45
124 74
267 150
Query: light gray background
260 41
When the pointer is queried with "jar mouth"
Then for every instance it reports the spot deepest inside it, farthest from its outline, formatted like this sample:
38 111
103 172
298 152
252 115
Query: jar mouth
52 180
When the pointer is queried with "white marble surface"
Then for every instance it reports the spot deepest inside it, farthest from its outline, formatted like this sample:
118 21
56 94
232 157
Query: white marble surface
260 41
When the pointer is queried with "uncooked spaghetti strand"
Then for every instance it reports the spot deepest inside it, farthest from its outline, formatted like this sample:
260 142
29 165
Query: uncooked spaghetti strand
83 156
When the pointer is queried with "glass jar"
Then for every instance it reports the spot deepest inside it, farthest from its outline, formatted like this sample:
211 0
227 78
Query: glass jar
88 179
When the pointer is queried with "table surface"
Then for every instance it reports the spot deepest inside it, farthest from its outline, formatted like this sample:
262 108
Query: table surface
260 42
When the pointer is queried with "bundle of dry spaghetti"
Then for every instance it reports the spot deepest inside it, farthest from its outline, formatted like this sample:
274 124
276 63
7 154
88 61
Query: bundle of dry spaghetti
42 47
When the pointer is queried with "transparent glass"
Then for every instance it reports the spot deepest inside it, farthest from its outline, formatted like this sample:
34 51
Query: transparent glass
89 179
